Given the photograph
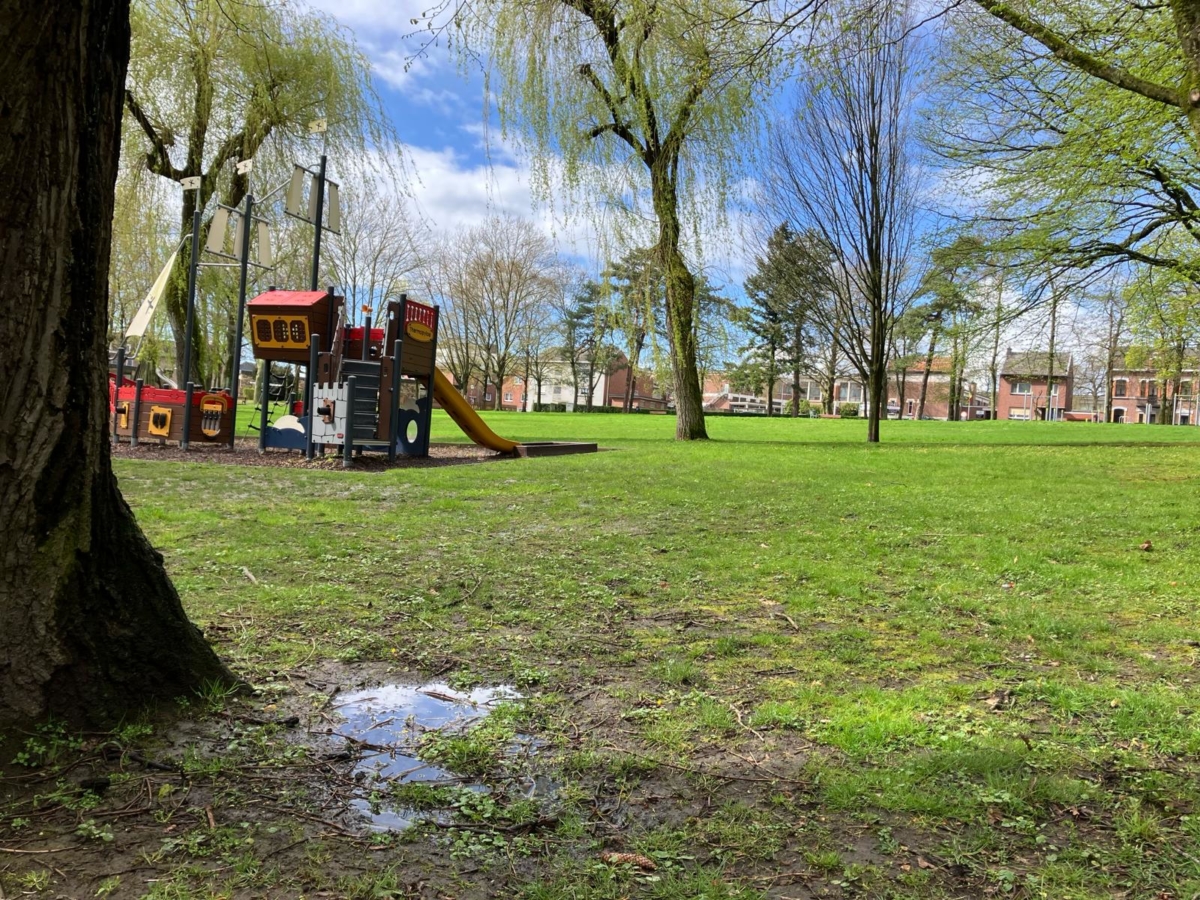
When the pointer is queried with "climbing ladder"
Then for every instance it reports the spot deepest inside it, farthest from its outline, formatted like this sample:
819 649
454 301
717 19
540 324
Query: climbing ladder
364 418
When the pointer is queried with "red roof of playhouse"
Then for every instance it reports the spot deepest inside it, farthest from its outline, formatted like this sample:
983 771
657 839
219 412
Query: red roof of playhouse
289 298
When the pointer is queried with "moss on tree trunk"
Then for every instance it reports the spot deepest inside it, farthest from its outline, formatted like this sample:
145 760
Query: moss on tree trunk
90 625
681 307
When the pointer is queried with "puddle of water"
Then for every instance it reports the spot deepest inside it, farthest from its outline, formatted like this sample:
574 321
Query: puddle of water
391 720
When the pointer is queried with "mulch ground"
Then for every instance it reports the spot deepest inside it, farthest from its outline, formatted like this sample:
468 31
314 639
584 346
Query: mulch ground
246 453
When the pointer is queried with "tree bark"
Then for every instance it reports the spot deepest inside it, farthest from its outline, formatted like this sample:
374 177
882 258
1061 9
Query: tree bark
877 374
90 625
1050 361
681 307
933 336
631 382
830 376
772 377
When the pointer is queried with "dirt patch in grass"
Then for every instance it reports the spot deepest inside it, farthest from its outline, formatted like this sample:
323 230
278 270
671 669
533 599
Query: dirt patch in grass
660 790
263 797
246 453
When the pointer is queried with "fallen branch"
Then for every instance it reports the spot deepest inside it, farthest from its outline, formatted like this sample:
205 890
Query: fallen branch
737 712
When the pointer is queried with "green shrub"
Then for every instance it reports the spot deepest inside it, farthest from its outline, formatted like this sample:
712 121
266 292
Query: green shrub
848 410
549 407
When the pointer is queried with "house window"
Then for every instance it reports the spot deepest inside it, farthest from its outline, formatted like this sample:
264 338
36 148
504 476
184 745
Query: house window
488 397
856 393
518 380
1120 386
508 396
1185 389
910 407
843 392
1022 387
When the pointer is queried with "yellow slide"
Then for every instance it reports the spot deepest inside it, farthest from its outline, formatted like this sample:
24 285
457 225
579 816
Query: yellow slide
466 418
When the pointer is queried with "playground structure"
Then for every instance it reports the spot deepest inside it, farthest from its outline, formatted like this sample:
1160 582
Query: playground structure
365 389
358 396
169 414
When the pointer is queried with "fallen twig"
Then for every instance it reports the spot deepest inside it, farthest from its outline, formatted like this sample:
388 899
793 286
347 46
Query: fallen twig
737 712
152 764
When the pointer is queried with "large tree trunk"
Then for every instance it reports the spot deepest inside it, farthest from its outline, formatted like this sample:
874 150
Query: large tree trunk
876 377
1050 360
631 381
830 376
681 309
933 336
797 344
772 376
90 625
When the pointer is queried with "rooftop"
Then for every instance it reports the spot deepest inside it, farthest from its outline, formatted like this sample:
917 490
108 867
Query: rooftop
1034 363
941 365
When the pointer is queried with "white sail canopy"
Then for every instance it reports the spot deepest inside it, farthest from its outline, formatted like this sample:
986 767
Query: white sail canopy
141 321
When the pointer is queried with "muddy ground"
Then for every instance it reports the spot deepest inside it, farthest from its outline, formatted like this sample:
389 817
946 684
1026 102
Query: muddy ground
246 453
254 797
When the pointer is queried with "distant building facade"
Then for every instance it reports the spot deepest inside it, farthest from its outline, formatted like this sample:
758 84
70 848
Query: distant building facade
556 386
1141 395
1028 392
904 392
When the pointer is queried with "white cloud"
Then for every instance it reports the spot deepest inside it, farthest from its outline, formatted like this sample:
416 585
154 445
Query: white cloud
452 193
390 18
396 39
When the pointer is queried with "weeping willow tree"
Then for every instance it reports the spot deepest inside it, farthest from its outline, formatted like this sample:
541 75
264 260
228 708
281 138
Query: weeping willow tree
634 105
212 83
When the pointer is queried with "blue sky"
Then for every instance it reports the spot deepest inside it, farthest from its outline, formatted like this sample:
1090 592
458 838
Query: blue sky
461 177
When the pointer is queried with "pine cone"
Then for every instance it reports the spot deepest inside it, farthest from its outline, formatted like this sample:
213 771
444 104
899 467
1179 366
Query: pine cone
630 859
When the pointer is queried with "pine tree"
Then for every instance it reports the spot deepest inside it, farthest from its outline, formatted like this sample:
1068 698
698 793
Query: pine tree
787 280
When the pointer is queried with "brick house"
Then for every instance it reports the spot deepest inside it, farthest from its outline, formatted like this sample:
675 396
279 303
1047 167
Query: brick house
972 404
1025 392
557 387
1139 395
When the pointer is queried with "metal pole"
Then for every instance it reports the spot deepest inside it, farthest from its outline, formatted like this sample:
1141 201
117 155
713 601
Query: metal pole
186 374
348 435
316 262
235 378
394 406
310 388
264 399
187 416
117 388
137 412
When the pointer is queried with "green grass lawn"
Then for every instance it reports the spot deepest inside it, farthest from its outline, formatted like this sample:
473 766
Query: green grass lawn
782 663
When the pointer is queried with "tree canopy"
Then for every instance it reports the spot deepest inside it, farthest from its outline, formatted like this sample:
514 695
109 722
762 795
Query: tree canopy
638 103
1080 160
213 83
